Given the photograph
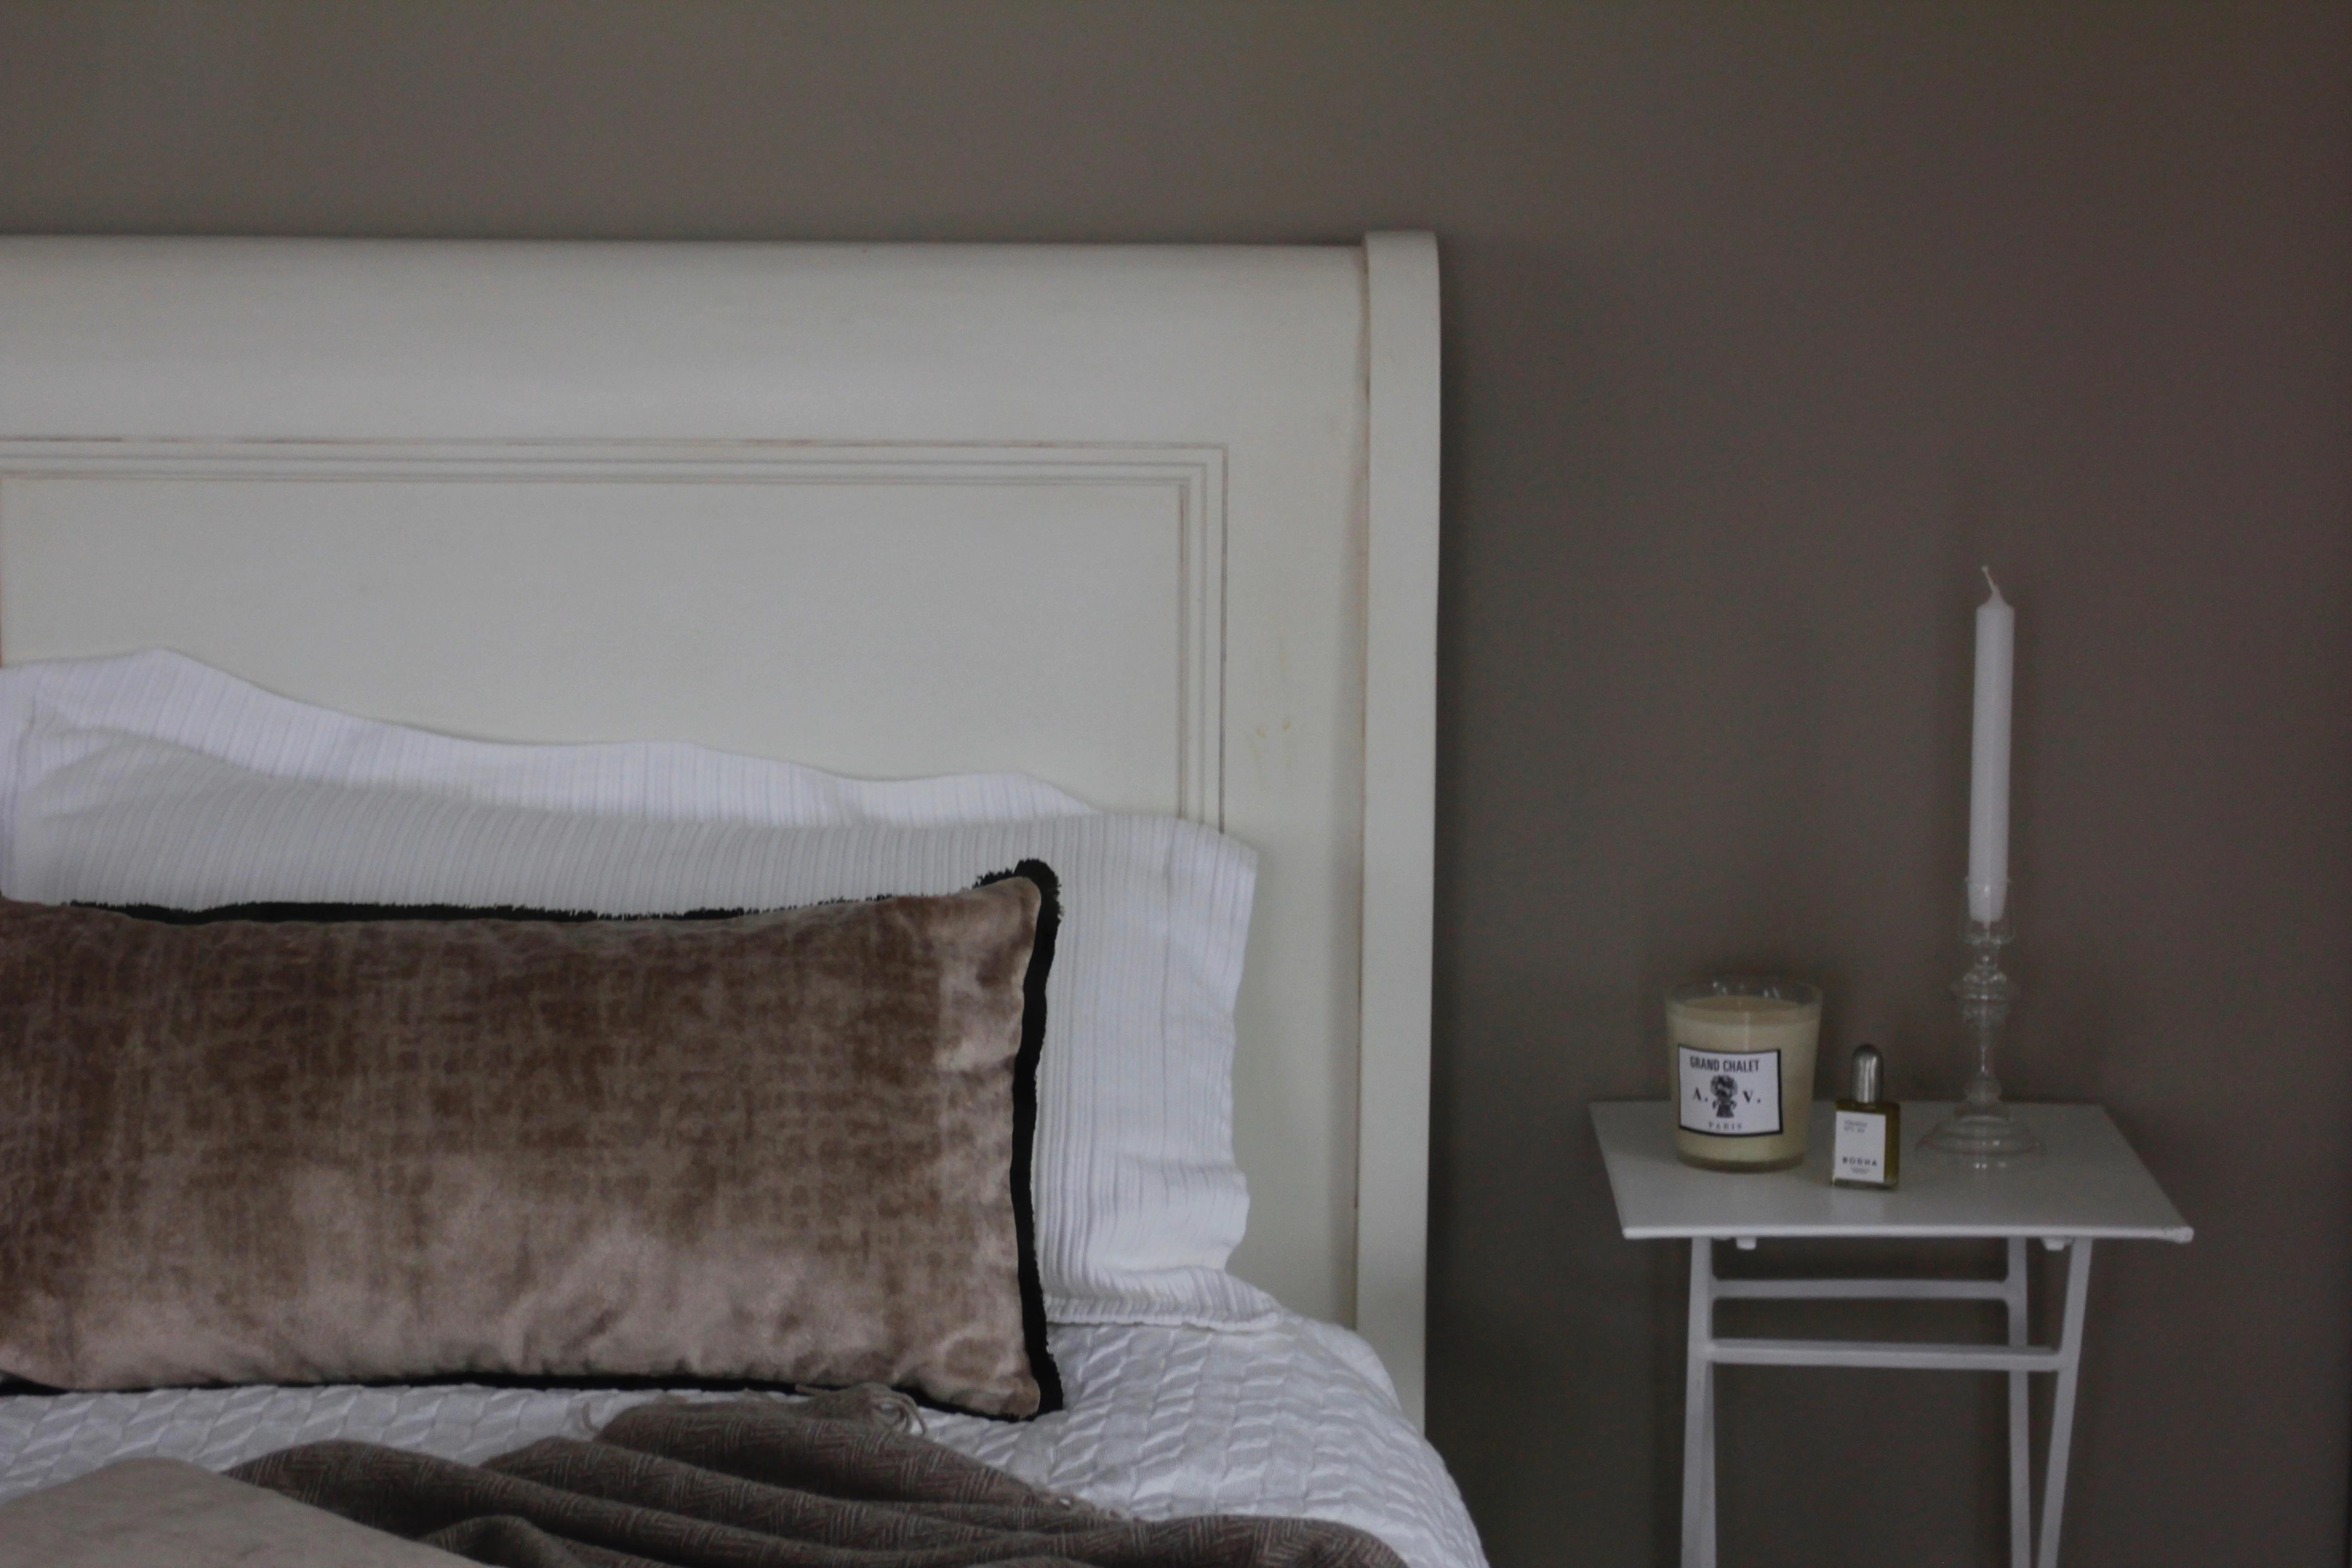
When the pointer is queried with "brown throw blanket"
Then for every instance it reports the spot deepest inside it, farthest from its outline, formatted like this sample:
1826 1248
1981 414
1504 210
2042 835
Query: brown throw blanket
832 1482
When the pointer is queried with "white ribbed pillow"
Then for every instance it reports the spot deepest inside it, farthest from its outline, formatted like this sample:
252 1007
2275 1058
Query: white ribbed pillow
166 696
1138 1202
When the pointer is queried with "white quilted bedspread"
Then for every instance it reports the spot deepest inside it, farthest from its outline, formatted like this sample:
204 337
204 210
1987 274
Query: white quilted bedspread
1295 1418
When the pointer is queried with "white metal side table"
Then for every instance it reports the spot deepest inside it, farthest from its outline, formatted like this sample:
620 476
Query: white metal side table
2088 1186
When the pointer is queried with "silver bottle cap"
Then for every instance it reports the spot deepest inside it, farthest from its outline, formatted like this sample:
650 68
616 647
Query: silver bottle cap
1866 1076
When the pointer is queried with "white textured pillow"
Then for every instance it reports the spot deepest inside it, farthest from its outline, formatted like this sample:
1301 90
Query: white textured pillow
86 703
1139 1200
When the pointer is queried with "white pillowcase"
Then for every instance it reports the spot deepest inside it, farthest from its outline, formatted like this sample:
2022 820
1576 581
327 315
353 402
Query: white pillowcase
1138 1202
166 696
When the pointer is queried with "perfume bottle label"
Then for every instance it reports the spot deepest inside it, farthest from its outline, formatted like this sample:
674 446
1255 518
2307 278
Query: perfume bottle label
1861 1154
1729 1095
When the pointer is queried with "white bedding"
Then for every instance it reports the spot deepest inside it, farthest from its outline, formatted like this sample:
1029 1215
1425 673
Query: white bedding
1283 1416
1296 1418
1139 1203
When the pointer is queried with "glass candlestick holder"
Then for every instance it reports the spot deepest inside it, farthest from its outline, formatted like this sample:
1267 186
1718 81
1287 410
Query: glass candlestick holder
1982 1130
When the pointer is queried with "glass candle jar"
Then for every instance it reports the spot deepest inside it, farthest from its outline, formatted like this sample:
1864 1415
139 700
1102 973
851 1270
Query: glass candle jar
1741 1062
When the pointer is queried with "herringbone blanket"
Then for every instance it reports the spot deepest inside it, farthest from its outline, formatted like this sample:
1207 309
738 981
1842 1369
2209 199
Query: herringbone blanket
834 1482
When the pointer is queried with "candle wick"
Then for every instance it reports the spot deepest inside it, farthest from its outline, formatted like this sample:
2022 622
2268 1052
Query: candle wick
1991 583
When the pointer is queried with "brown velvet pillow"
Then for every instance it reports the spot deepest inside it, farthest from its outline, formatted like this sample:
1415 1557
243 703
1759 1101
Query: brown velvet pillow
780 1147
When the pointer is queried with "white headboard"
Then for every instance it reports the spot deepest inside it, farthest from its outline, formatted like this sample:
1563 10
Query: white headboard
1157 524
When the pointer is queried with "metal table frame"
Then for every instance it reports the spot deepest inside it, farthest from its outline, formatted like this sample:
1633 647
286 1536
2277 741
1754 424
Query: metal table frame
2087 1187
2018 1359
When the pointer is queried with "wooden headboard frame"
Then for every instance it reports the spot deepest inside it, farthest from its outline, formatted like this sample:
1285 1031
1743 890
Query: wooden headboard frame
1156 523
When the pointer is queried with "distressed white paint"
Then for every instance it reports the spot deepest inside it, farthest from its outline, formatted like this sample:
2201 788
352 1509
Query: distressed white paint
1399 806
301 574
1096 512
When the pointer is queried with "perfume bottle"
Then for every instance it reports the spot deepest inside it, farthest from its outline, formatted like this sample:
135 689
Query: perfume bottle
1869 1150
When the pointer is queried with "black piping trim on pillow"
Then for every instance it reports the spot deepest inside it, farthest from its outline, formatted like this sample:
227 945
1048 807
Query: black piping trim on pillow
1024 1123
1021 1178
330 914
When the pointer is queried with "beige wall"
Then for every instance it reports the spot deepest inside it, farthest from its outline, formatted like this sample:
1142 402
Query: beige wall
1768 323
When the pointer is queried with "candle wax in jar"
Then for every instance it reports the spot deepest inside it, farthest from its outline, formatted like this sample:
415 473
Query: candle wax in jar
1738 1028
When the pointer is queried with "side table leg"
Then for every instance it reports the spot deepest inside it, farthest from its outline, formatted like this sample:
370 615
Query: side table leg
1698 1414
2062 1403
1707 1512
2021 1451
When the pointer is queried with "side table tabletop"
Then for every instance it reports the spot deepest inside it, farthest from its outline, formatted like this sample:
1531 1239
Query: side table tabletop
2087 1187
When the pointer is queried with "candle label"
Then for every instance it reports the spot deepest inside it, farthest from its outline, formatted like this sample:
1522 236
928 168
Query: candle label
1860 1148
1730 1096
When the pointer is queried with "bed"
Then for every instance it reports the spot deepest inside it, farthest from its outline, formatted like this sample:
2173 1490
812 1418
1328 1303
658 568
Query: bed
1154 526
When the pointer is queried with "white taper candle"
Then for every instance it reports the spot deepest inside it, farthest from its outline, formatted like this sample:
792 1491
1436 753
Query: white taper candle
1989 758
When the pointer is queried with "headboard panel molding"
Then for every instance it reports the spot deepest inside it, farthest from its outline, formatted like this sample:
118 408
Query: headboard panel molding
1156 523
57 491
